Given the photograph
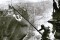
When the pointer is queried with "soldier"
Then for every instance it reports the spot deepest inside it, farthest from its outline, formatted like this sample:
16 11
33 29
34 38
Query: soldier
45 33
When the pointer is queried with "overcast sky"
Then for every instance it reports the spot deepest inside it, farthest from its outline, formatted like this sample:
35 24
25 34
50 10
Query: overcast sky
18 1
